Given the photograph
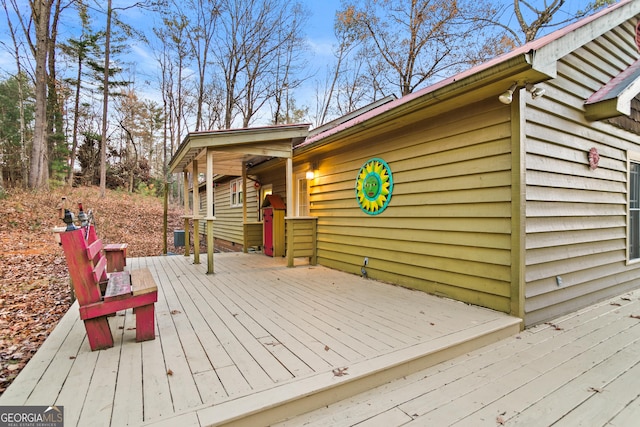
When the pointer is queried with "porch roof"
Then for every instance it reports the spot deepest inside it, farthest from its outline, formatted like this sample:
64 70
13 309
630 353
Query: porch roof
614 98
234 146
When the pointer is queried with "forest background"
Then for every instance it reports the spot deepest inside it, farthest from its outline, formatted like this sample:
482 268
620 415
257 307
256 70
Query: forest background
103 92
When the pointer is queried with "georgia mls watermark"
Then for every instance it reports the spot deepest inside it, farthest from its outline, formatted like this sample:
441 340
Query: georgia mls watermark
31 416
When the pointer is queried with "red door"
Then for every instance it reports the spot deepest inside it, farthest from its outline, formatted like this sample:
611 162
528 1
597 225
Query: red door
268 231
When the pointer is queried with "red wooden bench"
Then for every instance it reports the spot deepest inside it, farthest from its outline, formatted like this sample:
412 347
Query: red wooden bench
116 254
122 290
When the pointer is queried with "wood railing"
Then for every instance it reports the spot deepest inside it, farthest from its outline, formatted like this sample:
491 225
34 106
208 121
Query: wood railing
301 238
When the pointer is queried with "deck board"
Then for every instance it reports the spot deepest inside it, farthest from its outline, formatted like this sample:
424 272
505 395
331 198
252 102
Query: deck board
254 334
580 369
128 403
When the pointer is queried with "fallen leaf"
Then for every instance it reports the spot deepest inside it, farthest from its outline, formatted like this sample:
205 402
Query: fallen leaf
169 372
635 316
500 420
625 298
617 304
554 326
326 348
339 372
595 390
175 311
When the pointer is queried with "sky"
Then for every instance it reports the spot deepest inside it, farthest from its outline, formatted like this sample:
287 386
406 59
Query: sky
319 36
319 31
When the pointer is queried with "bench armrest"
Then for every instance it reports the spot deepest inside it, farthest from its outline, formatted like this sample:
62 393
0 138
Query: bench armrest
142 281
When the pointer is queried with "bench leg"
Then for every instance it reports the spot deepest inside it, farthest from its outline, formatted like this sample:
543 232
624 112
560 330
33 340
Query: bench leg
98 333
145 322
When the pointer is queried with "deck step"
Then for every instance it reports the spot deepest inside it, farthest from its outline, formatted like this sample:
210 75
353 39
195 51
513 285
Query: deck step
321 389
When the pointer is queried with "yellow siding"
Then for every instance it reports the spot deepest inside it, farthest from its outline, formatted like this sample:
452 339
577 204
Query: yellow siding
575 216
447 228
228 223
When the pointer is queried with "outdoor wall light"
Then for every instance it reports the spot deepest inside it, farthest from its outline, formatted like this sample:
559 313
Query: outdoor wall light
536 92
310 175
507 96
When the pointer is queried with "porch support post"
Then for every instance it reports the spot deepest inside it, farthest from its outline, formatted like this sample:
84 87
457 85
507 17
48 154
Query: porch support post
245 249
196 214
289 187
289 232
518 208
210 217
187 243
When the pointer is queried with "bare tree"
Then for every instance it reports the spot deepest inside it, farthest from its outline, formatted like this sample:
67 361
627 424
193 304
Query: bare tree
107 71
287 74
348 40
253 37
105 104
39 168
56 141
166 84
534 18
409 42
201 32
42 26
24 158
544 15
81 51
173 60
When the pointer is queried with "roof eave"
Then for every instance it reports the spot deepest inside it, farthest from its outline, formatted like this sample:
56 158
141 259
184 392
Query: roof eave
517 68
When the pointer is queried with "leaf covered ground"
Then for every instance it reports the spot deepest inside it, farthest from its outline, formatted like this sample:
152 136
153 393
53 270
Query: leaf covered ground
34 282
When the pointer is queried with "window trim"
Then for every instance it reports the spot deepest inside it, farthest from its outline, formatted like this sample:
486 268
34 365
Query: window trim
238 193
632 157
299 178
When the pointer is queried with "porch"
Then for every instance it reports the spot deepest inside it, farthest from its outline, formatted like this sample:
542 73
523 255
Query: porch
252 344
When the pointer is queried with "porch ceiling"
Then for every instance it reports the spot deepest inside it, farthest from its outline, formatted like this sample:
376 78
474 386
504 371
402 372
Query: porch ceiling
233 146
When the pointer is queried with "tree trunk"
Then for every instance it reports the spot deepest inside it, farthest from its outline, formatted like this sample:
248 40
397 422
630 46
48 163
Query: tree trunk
39 172
105 106
76 120
24 153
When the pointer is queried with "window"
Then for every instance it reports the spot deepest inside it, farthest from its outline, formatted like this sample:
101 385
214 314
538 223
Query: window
634 210
302 207
265 190
237 194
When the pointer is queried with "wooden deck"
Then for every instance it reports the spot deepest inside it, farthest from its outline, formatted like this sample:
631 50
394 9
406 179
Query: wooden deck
580 370
253 344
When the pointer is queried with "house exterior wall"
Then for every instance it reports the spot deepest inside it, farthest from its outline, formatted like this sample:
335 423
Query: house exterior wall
576 217
228 224
275 176
447 228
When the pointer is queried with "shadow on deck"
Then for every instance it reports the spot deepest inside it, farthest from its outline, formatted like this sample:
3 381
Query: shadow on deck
252 344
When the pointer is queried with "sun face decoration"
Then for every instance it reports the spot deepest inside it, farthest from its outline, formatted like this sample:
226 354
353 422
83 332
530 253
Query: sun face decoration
374 186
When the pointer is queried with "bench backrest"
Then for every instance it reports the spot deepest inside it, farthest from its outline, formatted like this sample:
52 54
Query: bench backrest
86 262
